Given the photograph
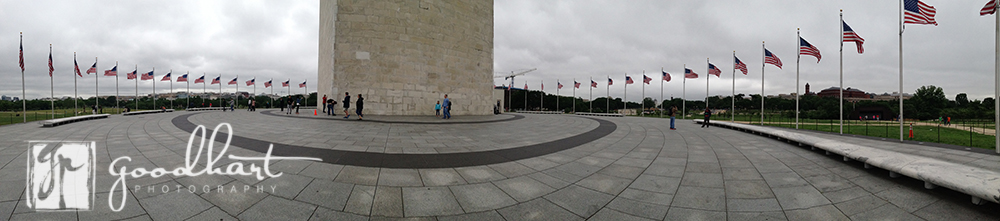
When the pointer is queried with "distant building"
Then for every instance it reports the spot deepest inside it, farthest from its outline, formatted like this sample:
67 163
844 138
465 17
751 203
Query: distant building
848 93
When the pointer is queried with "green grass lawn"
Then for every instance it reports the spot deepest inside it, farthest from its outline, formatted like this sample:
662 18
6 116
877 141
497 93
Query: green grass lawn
8 117
885 129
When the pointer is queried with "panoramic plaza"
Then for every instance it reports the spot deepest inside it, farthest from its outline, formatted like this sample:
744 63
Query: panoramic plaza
497 167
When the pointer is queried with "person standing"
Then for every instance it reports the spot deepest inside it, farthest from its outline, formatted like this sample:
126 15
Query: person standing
708 115
347 104
360 105
447 107
437 109
673 110
298 103
253 105
289 103
324 101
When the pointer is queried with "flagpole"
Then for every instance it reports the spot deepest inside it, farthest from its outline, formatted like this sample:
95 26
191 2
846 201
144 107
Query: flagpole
172 88
996 72
271 104
642 99
117 88
525 95
237 90
842 71
24 104
52 90
591 95
762 62
574 95
732 109
541 103
798 56
220 92
625 97
900 71
97 94
255 89
187 82
557 96
684 94
608 101
136 79
154 87
707 79
661 93
76 95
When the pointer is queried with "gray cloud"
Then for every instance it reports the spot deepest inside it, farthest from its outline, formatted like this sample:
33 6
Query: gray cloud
563 39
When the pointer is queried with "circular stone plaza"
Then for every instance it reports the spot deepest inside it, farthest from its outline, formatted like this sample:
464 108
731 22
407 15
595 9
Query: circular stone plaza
498 167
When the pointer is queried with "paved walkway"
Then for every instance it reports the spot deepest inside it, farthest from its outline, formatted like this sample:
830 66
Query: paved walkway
639 171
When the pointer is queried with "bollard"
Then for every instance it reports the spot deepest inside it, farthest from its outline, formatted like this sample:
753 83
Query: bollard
314 112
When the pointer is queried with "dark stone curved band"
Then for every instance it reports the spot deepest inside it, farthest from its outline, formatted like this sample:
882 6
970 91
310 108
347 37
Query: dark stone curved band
516 117
414 161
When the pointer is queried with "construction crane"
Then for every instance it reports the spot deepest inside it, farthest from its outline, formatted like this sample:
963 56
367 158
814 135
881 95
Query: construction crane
511 76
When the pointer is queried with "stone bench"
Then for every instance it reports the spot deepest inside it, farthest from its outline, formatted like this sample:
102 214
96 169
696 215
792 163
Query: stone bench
147 112
205 108
981 184
66 120
599 114
539 112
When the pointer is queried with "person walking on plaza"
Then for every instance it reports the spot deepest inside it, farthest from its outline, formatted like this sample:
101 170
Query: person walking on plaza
347 104
324 101
673 111
708 115
437 109
289 103
281 104
447 107
360 105
253 105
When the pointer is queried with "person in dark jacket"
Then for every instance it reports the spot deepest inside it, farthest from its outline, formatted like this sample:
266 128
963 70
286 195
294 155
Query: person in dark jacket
347 104
360 105
708 115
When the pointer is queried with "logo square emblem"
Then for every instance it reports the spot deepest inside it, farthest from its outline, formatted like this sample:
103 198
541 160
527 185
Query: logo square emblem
61 175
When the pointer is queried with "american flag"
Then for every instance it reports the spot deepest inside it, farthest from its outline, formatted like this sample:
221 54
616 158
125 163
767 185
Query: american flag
688 73
302 85
525 86
576 84
916 12
771 59
267 84
165 77
990 8
200 80
808 49
593 83
628 80
51 69
739 65
284 84
216 80
714 70
93 69
666 76
645 79
251 82
112 72
558 85
850 36
131 75
76 67
182 78
232 82
20 53
610 82
543 86
147 76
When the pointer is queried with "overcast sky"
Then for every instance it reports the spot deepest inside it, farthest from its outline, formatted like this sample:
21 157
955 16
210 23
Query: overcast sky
562 39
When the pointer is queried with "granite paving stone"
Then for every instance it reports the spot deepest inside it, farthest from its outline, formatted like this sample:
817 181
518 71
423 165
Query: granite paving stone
634 169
